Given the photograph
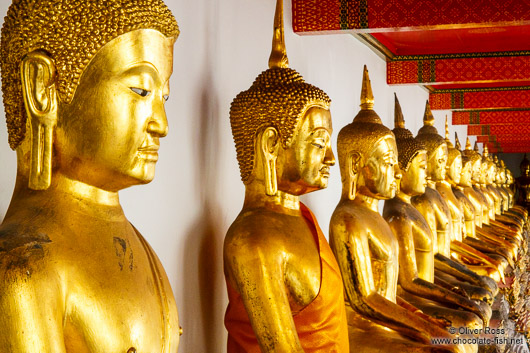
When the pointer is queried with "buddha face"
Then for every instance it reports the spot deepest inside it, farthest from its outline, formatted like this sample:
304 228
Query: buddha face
304 166
484 173
525 170
476 171
454 171
491 172
108 136
413 181
465 176
381 170
437 163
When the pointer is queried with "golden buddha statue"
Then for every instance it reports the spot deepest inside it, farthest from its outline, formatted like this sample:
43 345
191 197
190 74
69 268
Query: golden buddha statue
284 285
499 184
365 247
416 255
482 261
76 276
522 184
485 232
438 216
512 231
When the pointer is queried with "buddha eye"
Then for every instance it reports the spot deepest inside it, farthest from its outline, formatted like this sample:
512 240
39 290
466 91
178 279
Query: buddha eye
140 91
320 146
166 97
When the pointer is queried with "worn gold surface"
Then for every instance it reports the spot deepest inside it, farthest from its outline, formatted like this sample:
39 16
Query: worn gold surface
282 132
436 211
76 276
416 253
365 246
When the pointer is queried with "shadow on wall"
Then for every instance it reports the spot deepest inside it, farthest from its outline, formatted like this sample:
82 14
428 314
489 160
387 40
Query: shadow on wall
202 315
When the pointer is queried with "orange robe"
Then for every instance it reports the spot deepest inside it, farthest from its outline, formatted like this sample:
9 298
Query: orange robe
321 325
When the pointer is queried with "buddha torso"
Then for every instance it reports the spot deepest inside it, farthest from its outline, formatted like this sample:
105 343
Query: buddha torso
486 203
476 199
369 226
457 213
63 267
438 216
397 210
497 198
470 213
490 200
523 189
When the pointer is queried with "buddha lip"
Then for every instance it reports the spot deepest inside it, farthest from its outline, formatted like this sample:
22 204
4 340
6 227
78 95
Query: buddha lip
153 148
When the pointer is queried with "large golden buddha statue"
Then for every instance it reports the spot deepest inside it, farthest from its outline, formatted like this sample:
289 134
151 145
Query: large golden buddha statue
366 248
284 285
437 213
84 85
416 255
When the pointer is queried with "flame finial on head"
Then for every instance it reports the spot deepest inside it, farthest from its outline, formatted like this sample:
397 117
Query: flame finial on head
367 96
399 120
278 58
468 144
457 142
428 118
476 147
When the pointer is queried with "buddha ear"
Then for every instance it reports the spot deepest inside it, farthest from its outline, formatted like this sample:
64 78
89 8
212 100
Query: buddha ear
40 100
354 162
269 147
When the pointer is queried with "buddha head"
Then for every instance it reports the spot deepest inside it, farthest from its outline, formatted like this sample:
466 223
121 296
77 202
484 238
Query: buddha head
488 167
476 161
525 167
412 156
367 152
84 86
282 127
454 159
467 166
500 173
436 146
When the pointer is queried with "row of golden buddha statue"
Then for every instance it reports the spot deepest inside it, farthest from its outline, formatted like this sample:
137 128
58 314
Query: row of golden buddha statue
84 87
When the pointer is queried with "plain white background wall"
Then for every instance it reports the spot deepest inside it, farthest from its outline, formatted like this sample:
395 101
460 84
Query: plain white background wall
185 212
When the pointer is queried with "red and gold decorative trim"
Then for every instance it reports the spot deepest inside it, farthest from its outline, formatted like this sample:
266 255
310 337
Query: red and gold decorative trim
491 117
481 99
469 68
513 129
335 15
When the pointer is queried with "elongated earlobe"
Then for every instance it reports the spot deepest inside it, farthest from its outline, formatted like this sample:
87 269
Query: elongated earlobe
40 100
354 162
269 148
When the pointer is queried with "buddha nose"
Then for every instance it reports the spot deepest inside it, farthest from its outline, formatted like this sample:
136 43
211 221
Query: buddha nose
329 158
158 125
397 172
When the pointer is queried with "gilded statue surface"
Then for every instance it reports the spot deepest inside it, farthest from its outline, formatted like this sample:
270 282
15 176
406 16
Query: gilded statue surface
417 279
522 184
84 86
365 246
284 285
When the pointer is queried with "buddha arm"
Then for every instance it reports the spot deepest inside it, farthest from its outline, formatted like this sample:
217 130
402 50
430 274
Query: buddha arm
31 305
352 251
257 273
457 270
408 274
473 254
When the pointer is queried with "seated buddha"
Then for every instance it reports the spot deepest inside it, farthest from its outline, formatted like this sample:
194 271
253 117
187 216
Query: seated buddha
284 285
490 237
416 255
76 276
436 211
366 249
460 249
483 261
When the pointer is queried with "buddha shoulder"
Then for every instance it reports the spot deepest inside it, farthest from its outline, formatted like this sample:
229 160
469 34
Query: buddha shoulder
350 218
25 259
262 229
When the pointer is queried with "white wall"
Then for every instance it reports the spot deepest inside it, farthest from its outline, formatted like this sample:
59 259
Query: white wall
185 212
